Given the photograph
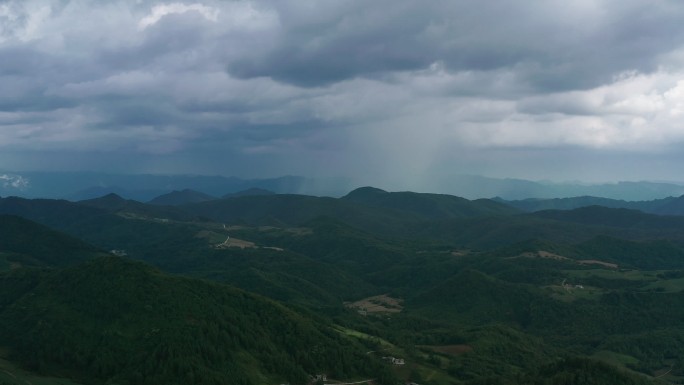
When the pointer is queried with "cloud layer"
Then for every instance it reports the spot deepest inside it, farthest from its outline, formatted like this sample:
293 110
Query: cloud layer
373 89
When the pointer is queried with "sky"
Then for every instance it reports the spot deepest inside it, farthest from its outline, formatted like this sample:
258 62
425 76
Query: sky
400 91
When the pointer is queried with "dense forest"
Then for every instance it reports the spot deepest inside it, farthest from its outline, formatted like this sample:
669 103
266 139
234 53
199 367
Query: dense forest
388 287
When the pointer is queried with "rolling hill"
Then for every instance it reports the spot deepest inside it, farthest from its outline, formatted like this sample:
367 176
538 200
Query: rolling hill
428 206
23 242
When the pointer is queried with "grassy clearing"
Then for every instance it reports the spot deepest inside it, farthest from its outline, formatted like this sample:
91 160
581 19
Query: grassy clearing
384 344
666 285
561 293
615 359
650 279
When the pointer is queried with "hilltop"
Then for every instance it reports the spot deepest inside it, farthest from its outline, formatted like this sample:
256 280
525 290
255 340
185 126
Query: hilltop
23 242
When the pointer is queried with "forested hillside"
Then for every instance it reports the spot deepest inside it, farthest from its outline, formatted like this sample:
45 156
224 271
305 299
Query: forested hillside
120 321
391 287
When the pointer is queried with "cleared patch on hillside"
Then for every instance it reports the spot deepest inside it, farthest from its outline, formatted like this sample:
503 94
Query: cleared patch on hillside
378 304
596 262
460 253
222 241
299 230
542 254
234 242
548 255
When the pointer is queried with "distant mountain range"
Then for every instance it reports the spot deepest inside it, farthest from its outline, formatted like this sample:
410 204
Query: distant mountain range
77 186
665 206
473 186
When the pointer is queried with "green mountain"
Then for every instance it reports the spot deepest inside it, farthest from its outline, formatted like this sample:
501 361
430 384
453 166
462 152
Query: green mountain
536 204
648 255
619 218
113 203
428 206
23 242
111 320
285 210
53 213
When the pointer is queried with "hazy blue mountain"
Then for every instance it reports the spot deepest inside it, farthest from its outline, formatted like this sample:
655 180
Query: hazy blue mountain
143 187
249 192
473 186
537 204
665 206
183 197
668 206
98 191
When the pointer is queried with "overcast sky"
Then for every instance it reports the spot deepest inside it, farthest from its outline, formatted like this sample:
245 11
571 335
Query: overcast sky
398 91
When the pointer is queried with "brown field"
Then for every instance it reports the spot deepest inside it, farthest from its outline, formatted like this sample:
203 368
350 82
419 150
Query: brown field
378 304
453 350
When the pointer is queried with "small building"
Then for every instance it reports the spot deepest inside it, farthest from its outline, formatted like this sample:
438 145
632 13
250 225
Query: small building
394 360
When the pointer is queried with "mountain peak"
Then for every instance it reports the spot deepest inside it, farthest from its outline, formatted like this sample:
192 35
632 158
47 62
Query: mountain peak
110 198
365 192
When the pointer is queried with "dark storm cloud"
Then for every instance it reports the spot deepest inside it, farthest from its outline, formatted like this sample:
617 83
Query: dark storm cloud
303 86
551 45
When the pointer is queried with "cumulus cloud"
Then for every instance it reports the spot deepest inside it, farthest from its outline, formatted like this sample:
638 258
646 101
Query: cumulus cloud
14 181
159 11
298 86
